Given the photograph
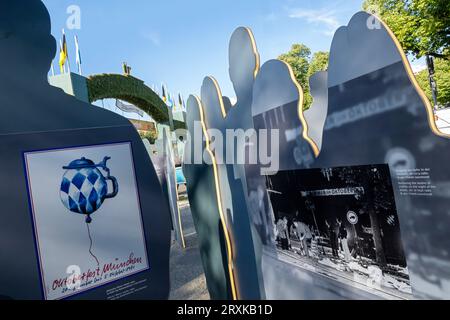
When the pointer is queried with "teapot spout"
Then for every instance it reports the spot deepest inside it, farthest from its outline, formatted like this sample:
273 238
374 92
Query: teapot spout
103 163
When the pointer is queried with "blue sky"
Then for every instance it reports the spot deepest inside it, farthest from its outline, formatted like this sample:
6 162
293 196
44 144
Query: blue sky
179 42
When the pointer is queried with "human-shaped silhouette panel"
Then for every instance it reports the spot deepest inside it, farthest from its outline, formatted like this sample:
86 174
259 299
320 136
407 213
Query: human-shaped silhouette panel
220 116
37 116
204 204
377 114
316 115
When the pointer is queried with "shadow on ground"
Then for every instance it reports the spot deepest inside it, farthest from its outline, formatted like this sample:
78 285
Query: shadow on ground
186 271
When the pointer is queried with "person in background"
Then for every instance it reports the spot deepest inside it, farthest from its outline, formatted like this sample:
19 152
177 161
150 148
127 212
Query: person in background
287 223
343 237
333 239
304 235
283 233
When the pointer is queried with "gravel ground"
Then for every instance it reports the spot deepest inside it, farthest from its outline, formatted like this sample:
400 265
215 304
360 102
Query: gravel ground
186 271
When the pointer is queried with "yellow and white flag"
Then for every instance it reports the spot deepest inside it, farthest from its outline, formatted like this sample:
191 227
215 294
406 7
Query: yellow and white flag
63 53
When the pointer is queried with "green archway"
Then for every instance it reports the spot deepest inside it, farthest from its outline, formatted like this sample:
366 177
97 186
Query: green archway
129 89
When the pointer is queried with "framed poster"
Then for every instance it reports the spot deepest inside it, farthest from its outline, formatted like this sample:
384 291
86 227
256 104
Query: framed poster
87 217
341 224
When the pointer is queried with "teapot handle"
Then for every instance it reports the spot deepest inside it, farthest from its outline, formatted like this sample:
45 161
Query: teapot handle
115 188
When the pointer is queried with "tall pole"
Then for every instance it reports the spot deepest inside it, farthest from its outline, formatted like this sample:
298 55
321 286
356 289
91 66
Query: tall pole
66 50
431 78
357 244
78 55
311 207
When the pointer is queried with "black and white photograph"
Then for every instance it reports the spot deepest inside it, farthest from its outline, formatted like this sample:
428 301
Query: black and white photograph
341 222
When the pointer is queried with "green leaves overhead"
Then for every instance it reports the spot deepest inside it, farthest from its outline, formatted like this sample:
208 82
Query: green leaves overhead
442 77
421 26
304 66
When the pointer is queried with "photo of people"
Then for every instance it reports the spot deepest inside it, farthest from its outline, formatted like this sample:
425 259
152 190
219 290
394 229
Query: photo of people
343 222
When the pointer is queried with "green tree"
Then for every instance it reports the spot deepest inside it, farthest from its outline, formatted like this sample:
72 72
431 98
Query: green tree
319 62
151 136
442 76
303 66
422 28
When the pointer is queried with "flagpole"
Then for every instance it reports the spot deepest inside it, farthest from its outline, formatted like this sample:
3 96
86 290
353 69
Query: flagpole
78 55
61 66
53 69
66 50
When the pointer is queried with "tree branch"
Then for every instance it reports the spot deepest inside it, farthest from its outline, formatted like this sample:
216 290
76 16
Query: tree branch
440 56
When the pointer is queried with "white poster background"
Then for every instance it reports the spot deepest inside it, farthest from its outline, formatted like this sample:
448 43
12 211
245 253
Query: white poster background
62 236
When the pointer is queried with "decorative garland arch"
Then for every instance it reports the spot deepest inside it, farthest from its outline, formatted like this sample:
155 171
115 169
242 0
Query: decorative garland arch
129 89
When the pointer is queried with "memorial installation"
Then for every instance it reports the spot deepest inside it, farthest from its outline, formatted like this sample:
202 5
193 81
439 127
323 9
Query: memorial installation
356 209
229 180
204 199
341 197
83 205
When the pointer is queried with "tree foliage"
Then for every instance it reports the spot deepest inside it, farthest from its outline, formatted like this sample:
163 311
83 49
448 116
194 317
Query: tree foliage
442 76
319 62
151 136
304 65
421 26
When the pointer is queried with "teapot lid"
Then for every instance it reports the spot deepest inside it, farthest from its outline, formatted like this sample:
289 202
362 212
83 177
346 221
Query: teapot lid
80 164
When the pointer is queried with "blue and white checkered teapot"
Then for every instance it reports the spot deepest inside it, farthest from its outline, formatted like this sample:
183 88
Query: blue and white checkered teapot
84 188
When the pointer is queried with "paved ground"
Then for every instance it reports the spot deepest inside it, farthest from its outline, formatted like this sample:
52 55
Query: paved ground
349 280
186 270
443 122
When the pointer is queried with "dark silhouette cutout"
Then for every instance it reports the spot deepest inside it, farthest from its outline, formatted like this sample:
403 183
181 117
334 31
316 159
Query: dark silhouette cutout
395 127
244 64
205 210
37 116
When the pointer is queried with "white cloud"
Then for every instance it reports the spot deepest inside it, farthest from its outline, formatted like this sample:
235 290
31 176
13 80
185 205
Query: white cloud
317 17
153 37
